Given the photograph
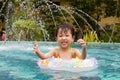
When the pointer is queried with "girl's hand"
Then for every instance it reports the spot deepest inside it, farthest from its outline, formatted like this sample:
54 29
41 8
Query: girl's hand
35 46
81 42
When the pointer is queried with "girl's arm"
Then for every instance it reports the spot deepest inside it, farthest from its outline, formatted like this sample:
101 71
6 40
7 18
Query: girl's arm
83 44
40 54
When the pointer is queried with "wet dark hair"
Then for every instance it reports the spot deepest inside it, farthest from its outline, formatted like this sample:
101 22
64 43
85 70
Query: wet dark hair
65 27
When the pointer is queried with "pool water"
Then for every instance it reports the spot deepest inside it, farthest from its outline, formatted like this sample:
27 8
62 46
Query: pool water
18 62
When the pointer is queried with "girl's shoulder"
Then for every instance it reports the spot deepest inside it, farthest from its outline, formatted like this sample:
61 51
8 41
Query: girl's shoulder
55 50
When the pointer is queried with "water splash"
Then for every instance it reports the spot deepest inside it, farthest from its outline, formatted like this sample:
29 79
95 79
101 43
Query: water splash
34 11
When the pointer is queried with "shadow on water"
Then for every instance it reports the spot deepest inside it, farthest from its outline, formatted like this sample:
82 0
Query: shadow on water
5 75
65 75
90 78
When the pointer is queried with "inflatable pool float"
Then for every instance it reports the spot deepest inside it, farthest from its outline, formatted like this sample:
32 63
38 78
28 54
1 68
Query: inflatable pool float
72 65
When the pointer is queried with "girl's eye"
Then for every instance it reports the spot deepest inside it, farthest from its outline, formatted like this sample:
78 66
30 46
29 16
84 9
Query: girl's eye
67 35
60 35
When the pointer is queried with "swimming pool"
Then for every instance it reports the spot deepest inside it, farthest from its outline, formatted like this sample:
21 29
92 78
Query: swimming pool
18 62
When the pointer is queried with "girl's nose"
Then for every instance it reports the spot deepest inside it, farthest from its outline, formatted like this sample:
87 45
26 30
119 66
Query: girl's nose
63 37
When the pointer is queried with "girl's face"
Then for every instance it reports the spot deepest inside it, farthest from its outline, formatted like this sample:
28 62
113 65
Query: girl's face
64 38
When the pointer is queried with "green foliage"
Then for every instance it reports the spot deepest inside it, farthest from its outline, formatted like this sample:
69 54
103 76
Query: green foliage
110 10
90 36
105 37
29 30
25 24
15 1
114 38
96 8
31 9
116 34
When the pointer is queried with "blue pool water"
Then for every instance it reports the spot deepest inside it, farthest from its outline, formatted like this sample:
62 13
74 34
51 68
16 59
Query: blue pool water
18 62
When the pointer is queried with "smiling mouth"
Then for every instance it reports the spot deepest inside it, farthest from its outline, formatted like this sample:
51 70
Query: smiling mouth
64 42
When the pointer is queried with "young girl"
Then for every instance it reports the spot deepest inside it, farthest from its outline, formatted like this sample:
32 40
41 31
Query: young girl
64 37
